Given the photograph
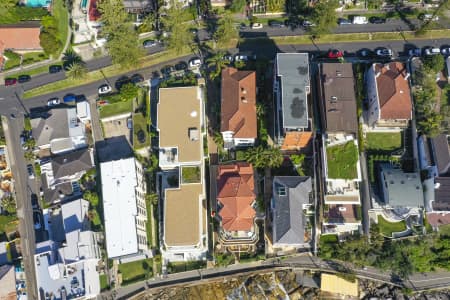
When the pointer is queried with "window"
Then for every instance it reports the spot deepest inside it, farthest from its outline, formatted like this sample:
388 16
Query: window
281 191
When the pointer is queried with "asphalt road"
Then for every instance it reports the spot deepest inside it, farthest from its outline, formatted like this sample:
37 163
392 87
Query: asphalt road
416 282
22 186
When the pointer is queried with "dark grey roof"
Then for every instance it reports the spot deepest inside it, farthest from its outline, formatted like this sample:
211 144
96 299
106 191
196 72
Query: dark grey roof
441 154
72 163
288 218
403 189
442 194
137 4
293 73
54 126
338 101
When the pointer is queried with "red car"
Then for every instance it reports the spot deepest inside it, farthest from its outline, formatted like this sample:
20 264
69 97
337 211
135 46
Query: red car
334 53
10 81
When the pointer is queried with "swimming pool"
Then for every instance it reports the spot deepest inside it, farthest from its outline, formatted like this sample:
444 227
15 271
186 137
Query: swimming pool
38 3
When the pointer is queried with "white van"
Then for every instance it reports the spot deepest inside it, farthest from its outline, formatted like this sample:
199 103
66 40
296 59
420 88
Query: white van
360 20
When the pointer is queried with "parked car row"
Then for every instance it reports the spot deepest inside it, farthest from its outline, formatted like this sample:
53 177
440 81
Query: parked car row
20 79
429 51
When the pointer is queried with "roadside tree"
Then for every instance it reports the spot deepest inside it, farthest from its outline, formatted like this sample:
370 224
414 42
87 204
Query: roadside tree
179 36
76 70
324 17
226 30
217 62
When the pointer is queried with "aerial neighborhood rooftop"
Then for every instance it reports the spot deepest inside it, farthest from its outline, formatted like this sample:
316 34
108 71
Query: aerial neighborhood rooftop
223 140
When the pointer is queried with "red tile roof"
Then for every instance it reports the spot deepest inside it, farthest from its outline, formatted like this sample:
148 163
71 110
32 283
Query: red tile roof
235 186
238 109
20 38
393 91
296 140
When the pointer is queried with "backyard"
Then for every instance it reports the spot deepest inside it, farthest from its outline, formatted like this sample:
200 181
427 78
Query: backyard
175 267
140 133
136 270
387 228
341 161
103 282
190 174
28 58
117 108
7 223
384 141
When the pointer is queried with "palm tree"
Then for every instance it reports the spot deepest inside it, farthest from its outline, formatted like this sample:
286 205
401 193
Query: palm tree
70 57
218 63
76 71
261 157
260 110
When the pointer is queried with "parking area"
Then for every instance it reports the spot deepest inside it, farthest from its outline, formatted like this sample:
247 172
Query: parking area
117 126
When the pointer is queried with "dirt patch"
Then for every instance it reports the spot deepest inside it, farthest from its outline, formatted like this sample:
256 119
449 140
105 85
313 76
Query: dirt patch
117 127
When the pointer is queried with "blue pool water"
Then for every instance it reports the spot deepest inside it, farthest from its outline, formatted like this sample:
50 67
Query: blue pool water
38 3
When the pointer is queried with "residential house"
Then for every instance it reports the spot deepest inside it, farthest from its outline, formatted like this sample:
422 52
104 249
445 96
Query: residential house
291 92
66 264
235 201
139 8
402 192
438 208
219 3
59 131
238 108
389 96
184 222
290 211
336 89
20 38
84 111
61 173
434 154
8 283
124 209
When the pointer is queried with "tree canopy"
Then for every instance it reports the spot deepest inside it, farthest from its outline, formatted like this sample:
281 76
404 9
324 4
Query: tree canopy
122 40
226 29
324 17
261 157
178 34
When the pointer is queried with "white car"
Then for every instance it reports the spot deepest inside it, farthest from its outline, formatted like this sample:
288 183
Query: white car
445 51
104 89
195 63
257 26
53 101
384 52
429 17
360 20
307 23
432 51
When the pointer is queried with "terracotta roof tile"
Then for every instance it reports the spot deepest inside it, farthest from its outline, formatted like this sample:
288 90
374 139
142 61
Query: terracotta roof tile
238 104
236 195
295 140
393 91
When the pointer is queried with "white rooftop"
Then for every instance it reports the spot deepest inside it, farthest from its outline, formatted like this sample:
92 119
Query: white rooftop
119 181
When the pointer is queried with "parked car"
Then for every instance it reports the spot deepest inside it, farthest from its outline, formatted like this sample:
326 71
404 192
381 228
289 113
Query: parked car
334 53
30 171
137 78
69 98
195 63
37 220
377 20
34 201
54 69
22 143
276 24
149 43
257 26
121 82
384 52
244 57
432 51
342 21
293 23
23 78
181 66
10 81
359 20
415 52
53 101
307 23
228 58
428 17
365 52
104 89
445 51
167 70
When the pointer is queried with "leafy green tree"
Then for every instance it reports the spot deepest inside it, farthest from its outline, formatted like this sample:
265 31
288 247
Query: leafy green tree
275 5
122 40
375 4
70 57
178 34
261 157
324 17
92 197
76 70
239 64
434 63
128 91
9 204
217 62
49 42
148 24
226 30
431 124
152 198
237 6
260 110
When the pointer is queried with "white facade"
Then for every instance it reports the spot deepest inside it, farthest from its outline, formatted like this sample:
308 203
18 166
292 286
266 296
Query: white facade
372 97
125 213
230 141
84 111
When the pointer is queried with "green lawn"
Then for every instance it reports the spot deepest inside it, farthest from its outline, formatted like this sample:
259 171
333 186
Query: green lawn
148 224
103 282
8 223
116 108
175 267
33 57
136 270
13 60
387 228
62 19
444 229
342 161
190 174
140 125
381 141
